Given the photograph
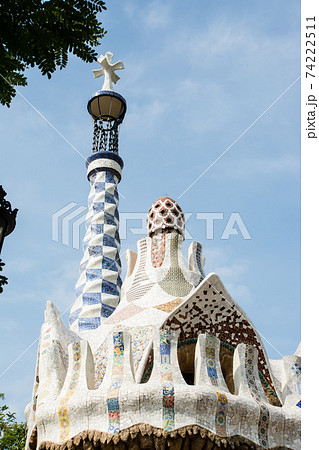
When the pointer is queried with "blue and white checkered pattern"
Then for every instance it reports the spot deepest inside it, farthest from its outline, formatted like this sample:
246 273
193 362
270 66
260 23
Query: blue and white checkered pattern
99 284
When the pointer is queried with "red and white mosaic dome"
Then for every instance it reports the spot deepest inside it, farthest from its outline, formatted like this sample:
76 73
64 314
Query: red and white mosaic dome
165 215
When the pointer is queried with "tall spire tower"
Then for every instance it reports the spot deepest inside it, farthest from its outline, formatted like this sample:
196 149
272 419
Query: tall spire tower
99 283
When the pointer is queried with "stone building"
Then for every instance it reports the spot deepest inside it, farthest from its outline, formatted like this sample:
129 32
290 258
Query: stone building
165 360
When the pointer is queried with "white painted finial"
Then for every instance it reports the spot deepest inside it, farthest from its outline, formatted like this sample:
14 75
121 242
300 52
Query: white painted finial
108 70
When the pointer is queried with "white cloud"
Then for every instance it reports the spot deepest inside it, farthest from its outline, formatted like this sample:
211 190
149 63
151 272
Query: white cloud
215 79
56 285
226 44
60 285
218 39
240 293
214 257
231 272
155 15
148 115
284 163
255 166
21 265
9 325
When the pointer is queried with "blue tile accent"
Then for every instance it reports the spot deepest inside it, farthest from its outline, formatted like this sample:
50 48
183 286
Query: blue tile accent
99 186
79 290
97 228
74 315
91 274
95 251
98 207
117 259
109 177
299 404
92 298
109 198
113 403
118 341
109 219
108 263
106 310
168 390
165 349
212 373
109 241
89 323
109 288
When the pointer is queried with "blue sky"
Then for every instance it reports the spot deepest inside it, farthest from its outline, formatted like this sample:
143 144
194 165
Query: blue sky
197 75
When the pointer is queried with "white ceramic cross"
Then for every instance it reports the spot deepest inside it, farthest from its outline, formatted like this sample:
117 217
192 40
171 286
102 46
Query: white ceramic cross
108 70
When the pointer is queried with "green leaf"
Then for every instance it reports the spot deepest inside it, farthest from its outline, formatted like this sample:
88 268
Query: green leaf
12 433
37 33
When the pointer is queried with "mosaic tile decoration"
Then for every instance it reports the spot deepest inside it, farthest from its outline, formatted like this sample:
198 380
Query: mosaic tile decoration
220 418
98 287
113 405
141 336
169 306
41 391
45 342
141 284
296 377
296 368
63 406
174 283
165 214
125 313
167 380
195 260
263 422
36 385
158 249
292 389
210 360
100 363
63 354
199 251
208 310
